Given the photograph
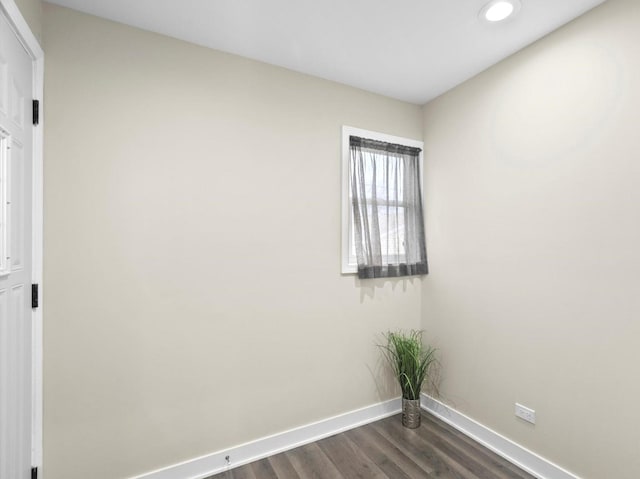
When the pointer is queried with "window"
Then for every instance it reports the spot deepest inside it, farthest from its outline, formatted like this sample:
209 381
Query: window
383 227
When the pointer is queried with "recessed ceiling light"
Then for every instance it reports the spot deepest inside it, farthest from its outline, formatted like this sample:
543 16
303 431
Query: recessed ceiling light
499 10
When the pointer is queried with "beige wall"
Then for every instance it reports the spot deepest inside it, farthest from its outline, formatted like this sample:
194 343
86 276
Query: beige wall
192 228
32 12
193 296
533 219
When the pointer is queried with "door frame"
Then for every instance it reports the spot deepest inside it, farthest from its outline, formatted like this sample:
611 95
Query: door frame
31 44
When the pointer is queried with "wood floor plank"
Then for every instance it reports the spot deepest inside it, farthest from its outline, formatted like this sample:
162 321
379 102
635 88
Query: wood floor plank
456 457
243 472
311 463
385 455
263 470
349 460
421 450
283 467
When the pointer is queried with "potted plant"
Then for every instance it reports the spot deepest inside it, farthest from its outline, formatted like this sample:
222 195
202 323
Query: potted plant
411 361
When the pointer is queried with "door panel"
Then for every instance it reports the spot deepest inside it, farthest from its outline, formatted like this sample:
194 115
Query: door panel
15 256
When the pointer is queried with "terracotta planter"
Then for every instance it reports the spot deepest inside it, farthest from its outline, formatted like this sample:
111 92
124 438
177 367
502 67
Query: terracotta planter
411 413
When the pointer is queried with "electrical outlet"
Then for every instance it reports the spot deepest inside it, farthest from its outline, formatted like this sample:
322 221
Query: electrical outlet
525 413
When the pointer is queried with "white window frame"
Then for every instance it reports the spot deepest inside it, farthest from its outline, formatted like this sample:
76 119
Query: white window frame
349 262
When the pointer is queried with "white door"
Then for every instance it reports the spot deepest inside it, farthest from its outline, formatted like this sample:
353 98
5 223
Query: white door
15 255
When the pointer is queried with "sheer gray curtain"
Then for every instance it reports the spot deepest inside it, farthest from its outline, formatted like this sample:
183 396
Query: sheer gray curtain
388 224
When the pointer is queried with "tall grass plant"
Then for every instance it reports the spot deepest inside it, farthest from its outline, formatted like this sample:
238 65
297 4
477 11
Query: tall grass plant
410 359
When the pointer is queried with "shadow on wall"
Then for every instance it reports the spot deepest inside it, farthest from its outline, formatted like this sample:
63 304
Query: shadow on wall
368 287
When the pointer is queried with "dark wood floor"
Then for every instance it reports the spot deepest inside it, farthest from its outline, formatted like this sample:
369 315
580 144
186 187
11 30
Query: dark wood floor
385 450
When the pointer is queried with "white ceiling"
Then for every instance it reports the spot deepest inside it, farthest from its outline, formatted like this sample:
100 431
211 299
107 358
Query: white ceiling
412 50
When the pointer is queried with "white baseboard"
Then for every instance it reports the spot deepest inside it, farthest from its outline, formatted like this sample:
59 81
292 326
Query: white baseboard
523 458
205 466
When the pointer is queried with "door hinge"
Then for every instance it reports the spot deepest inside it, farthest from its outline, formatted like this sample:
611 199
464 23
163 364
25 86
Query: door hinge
34 295
34 473
36 112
